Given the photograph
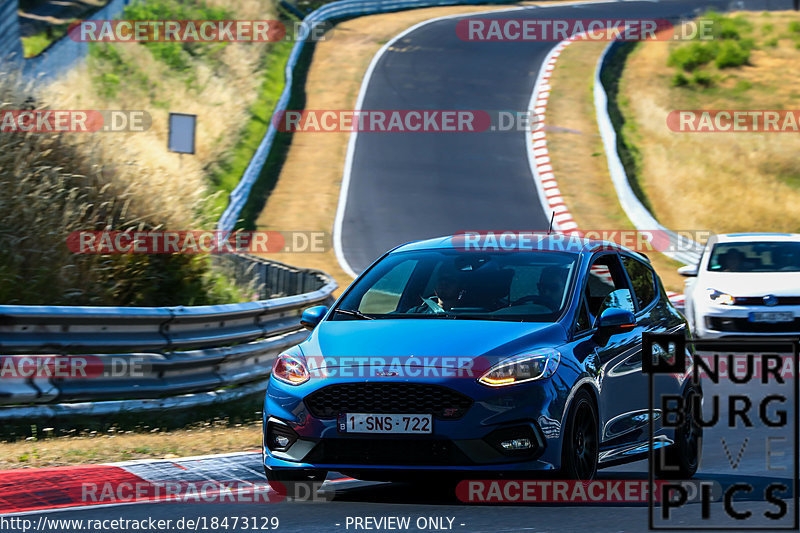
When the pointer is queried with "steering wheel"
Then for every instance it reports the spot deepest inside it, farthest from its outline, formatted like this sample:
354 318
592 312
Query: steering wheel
432 305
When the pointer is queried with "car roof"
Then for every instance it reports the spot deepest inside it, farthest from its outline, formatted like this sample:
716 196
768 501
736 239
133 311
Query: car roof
490 241
757 237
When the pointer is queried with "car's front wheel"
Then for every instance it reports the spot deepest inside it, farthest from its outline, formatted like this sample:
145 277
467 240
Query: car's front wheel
579 451
681 459
297 483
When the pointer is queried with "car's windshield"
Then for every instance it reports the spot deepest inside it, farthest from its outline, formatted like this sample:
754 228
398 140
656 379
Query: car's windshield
773 256
529 286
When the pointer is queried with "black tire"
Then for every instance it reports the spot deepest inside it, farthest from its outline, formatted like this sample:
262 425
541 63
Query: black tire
580 446
680 460
298 483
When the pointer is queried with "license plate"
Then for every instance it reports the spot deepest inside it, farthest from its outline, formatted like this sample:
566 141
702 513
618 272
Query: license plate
773 317
385 423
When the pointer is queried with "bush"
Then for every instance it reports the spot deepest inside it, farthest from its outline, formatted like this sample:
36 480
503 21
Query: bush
732 54
747 44
689 57
723 27
679 80
703 78
794 26
772 43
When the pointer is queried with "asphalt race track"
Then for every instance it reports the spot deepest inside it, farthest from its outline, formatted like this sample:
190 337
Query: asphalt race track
411 186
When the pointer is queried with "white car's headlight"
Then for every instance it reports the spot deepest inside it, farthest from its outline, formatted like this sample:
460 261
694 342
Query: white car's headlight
290 367
719 297
539 364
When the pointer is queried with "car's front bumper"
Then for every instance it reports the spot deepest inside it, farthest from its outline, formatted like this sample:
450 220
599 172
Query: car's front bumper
719 321
468 443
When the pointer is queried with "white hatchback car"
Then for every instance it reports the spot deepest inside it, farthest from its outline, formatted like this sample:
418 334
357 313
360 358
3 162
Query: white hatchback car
746 284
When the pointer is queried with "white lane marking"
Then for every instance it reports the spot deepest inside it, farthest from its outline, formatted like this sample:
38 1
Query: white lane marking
532 136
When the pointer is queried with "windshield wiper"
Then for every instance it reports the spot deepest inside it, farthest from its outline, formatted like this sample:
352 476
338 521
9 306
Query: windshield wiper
504 318
352 312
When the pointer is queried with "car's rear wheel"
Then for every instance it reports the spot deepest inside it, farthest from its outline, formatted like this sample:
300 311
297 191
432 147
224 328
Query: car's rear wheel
680 460
580 450
298 483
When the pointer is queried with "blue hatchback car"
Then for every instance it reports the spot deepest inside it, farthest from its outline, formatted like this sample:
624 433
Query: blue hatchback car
481 361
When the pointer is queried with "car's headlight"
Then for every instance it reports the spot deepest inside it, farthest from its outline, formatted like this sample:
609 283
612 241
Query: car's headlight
539 364
290 367
719 297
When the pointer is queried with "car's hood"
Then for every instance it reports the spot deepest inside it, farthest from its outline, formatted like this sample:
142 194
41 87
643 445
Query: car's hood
752 283
425 342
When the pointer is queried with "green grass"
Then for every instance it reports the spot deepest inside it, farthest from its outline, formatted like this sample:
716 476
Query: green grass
618 109
34 45
227 174
109 66
280 147
731 43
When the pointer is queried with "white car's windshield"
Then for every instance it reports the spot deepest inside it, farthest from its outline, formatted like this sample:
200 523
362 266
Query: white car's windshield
450 284
755 257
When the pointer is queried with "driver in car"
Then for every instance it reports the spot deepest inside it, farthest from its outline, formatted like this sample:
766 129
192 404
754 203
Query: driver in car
551 287
732 261
447 293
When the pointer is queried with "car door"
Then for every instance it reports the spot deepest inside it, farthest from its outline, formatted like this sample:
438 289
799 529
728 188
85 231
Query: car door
617 359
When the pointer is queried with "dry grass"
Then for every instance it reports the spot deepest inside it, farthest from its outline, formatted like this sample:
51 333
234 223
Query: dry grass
114 446
219 93
55 184
725 182
51 185
577 154
306 194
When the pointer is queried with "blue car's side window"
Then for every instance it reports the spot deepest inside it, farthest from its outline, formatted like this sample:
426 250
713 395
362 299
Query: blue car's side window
606 286
643 281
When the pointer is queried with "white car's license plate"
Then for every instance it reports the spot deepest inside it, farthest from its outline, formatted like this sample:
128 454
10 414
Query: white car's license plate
771 317
385 423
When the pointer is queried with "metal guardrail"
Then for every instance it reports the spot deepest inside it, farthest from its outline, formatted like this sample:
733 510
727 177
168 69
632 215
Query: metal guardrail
176 350
10 44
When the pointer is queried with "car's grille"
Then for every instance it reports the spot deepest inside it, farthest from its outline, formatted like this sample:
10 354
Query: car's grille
742 325
759 300
380 451
416 398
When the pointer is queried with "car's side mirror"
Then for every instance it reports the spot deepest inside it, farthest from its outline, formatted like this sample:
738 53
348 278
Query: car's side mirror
615 320
313 316
688 271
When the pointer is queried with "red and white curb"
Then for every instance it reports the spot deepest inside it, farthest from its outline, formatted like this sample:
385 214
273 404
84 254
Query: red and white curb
234 477
539 156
